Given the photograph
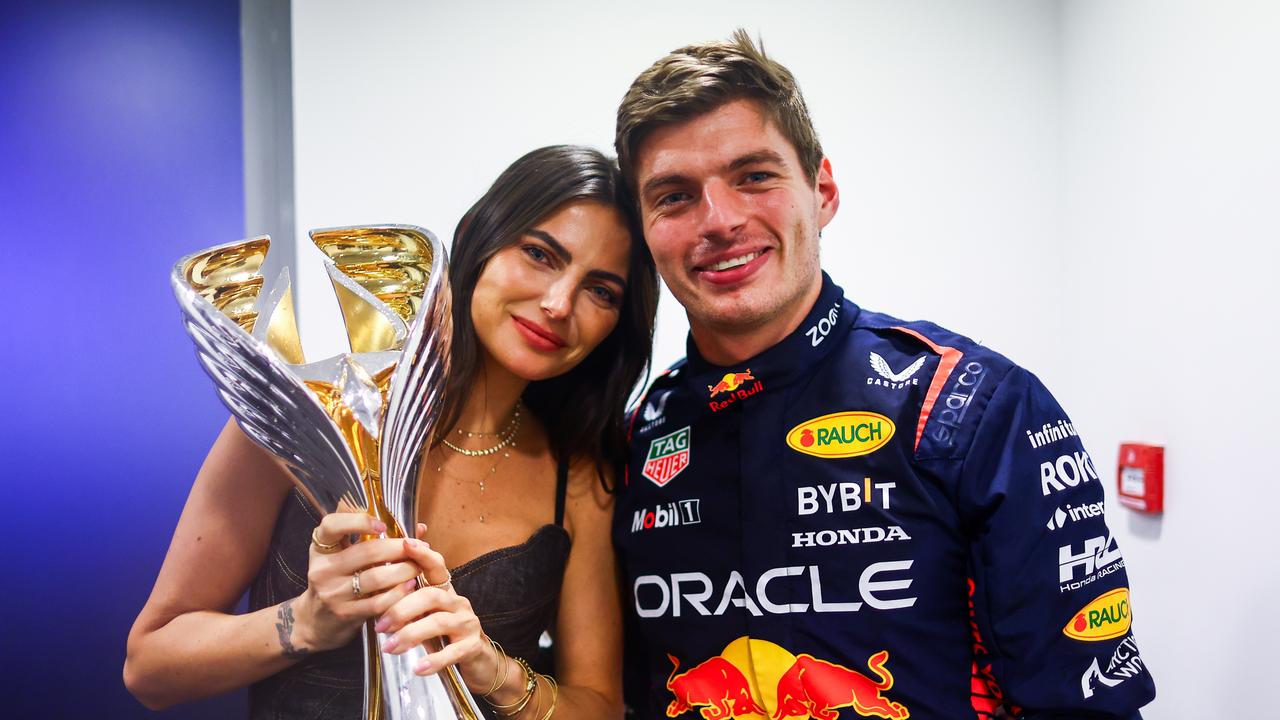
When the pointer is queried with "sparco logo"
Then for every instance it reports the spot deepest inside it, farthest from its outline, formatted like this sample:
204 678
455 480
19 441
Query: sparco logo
678 593
1099 558
1066 471
680 512
956 404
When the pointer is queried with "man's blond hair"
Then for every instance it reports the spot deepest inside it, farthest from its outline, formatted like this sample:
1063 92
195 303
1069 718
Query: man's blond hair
699 78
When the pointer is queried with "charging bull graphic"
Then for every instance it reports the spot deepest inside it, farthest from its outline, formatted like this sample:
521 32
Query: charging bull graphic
730 382
751 676
716 683
816 687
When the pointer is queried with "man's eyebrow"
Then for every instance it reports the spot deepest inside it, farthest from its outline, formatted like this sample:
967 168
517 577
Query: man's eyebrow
659 181
556 247
753 158
757 157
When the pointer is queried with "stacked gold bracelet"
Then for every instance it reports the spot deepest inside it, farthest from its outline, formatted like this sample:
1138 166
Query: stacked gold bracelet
555 695
500 669
500 674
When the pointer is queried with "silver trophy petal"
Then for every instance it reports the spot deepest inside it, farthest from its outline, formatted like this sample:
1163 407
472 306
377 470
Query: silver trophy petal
351 429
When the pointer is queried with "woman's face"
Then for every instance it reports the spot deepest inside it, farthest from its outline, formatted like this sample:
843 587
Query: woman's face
543 303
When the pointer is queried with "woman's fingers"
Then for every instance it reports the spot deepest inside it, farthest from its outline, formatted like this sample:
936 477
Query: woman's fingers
380 603
437 624
365 554
416 605
378 578
335 527
453 653
431 562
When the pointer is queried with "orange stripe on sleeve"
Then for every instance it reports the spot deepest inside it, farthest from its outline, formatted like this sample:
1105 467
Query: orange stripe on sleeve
950 358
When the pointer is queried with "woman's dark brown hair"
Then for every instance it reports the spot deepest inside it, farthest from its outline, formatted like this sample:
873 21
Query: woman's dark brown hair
583 409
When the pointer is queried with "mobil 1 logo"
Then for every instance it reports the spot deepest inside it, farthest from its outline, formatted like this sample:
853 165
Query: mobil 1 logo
671 514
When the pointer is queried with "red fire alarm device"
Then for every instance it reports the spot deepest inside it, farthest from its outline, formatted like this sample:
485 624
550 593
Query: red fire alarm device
1140 478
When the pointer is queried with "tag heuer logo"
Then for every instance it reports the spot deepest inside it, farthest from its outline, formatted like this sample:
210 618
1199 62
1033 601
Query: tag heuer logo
668 457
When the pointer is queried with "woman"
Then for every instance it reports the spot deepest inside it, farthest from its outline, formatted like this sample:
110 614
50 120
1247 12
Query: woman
553 318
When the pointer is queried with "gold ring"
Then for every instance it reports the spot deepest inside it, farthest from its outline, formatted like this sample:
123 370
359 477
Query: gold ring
325 548
355 583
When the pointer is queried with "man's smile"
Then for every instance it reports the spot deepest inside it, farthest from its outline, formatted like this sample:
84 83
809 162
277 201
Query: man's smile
732 267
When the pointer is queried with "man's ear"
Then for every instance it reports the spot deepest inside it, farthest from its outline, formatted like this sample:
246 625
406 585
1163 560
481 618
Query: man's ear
828 194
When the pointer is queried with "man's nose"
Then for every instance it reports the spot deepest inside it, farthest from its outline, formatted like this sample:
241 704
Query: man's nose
722 211
557 301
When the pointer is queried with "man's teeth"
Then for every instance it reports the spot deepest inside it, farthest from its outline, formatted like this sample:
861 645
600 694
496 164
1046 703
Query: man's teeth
735 262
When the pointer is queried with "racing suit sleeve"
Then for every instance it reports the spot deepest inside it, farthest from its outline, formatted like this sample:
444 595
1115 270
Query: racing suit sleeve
1050 598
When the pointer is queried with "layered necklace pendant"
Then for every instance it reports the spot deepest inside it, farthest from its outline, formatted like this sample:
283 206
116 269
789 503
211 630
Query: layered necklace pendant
506 441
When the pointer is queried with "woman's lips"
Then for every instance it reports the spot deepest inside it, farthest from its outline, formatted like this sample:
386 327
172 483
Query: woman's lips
539 337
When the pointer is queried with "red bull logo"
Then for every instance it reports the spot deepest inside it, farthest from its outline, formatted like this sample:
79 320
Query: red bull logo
730 382
815 687
716 685
759 680
735 387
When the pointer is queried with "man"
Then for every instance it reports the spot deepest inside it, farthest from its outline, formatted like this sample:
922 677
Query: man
828 512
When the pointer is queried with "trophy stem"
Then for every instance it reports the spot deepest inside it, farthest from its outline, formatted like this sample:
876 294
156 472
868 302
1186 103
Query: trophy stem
373 674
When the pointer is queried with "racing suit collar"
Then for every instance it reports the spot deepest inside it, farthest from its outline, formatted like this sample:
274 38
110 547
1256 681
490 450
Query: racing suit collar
790 359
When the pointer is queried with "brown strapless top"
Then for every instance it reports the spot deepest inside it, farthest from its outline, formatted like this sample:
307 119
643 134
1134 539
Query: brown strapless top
514 591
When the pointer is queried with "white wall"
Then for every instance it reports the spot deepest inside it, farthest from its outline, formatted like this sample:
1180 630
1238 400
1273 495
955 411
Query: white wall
998 160
940 118
1171 194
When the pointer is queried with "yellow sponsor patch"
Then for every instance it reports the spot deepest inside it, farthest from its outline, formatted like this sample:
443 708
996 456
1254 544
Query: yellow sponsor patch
1105 618
841 435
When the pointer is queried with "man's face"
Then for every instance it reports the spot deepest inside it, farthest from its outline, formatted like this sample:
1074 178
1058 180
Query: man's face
732 221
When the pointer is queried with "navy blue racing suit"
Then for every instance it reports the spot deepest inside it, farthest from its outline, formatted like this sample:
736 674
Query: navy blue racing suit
872 518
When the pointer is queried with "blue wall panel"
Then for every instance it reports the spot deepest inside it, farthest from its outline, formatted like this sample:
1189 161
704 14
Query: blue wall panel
120 150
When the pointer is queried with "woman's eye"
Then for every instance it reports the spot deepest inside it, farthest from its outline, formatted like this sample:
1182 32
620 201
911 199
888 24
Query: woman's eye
536 253
604 294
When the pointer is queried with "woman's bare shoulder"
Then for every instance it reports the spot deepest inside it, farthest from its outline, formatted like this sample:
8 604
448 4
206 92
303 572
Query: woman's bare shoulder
588 497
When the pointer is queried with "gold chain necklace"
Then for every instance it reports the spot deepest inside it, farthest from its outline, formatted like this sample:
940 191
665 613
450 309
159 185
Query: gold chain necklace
506 437
493 470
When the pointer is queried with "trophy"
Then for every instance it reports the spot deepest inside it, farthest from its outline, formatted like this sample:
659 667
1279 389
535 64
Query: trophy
350 428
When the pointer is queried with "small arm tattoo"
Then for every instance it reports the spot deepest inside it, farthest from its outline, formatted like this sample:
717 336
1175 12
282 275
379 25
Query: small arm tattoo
285 629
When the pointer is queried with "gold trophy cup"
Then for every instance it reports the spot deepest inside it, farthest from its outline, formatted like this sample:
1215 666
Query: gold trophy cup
351 428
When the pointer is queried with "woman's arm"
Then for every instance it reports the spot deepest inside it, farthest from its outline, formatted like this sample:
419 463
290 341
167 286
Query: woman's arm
186 645
588 631
589 623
